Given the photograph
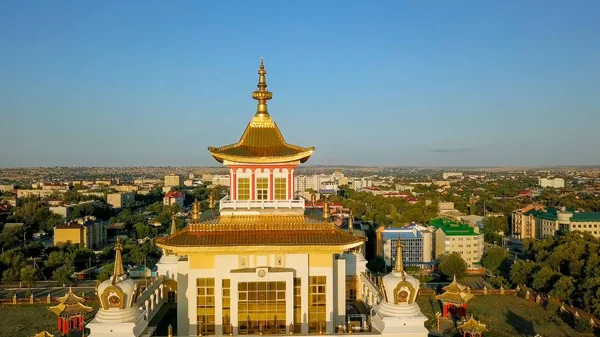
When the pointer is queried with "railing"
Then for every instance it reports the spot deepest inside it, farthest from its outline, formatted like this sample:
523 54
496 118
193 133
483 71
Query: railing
227 203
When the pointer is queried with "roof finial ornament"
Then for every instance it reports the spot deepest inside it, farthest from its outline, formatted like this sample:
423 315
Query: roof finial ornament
195 210
262 95
118 262
399 267
173 225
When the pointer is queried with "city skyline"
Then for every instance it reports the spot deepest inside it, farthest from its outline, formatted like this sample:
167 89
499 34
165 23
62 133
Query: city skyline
452 85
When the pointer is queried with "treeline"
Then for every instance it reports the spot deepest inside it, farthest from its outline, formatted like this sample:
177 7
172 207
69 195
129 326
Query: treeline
566 267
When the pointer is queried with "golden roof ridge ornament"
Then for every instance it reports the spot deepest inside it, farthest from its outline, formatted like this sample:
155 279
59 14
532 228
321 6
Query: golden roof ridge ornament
118 262
262 95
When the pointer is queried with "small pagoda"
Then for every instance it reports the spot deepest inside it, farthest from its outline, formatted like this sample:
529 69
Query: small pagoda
454 299
44 334
70 312
472 328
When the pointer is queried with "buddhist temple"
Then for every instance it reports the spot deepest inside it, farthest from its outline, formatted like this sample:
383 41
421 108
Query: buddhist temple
259 263
70 312
472 328
454 299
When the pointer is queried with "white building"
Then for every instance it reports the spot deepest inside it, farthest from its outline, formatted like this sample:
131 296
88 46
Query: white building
553 183
221 180
447 175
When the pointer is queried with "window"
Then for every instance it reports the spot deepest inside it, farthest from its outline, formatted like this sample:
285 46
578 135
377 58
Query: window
206 306
280 189
297 305
227 327
316 304
262 188
261 308
243 189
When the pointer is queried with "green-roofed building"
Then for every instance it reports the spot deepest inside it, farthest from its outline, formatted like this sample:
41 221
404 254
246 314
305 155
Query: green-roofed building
545 222
452 236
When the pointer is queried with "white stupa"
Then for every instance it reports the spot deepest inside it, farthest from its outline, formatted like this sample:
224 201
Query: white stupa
117 315
398 314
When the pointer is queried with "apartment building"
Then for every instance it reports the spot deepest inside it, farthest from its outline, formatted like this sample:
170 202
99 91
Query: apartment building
417 248
172 198
173 180
89 232
455 237
118 200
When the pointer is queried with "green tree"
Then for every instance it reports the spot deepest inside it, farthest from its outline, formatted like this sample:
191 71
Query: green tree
106 272
29 275
452 265
563 289
542 280
376 265
521 272
493 257
63 274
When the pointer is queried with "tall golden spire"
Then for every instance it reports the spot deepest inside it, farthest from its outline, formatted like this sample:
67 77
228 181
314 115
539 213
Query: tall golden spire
399 267
262 95
350 223
118 262
173 225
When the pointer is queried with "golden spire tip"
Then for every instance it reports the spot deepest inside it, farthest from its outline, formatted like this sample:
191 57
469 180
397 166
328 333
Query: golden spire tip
262 95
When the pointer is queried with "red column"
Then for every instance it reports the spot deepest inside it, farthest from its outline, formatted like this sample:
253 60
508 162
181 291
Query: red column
65 327
233 185
271 187
289 184
253 187
59 323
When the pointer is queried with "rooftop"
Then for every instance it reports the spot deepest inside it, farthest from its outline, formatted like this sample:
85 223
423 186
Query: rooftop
260 230
453 228
262 142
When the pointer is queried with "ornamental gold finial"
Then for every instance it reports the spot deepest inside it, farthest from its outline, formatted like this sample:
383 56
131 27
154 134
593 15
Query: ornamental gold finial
351 223
118 262
196 210
326 210
399 267
262 95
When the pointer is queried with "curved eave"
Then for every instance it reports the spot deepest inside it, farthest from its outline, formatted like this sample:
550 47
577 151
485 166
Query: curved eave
301 156
183 250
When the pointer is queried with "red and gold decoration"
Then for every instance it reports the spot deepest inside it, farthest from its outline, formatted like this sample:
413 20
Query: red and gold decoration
70 312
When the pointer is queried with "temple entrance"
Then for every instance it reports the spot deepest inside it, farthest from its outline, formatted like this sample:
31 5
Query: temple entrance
261 308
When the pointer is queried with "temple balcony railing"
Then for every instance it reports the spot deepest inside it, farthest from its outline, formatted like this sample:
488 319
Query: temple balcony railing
371 293
227 203
152 298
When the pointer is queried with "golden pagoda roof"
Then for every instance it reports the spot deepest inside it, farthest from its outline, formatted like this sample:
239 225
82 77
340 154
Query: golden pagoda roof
63 309
44 334
70 298
455 293
459 298
473 325
262 142
260 230
455 287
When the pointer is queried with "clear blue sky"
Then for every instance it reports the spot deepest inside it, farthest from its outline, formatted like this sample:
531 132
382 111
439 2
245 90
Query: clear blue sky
367 83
